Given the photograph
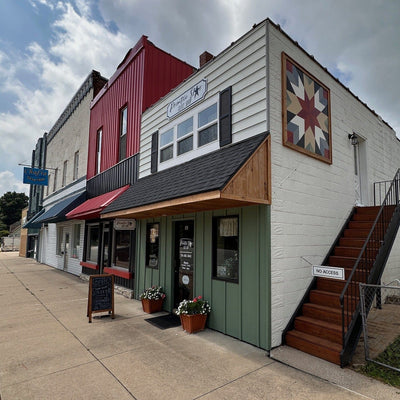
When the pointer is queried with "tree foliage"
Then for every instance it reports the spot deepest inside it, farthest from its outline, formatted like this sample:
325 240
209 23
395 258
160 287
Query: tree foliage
11 205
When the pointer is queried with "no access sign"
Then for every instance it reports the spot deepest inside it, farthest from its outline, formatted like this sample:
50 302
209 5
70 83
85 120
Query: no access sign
328 272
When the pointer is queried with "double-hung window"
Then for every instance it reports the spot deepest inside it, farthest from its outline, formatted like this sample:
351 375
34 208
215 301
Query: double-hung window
167 145
207 125
184 133
193 134
76 165
99 136
55 180
64 177
123 126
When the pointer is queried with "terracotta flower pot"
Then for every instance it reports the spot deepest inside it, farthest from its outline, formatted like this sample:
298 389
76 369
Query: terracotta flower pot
152 306
193 323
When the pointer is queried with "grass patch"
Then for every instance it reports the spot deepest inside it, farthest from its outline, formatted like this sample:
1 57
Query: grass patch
391 356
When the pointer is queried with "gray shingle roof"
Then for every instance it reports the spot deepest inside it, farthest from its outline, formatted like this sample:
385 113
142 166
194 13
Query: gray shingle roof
203 174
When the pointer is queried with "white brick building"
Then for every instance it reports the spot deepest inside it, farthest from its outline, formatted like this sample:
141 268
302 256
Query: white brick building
61 242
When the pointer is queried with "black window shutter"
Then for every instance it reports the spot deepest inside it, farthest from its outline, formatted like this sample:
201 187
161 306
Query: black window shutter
154 152
225 117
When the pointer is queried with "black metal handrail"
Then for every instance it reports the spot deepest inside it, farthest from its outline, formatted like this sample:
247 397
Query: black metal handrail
380 190
364 267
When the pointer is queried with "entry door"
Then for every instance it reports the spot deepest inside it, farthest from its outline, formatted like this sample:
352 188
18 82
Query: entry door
359 174
66 250
105 249
184 261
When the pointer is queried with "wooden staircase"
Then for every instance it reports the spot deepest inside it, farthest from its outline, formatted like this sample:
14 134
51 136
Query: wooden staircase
317 329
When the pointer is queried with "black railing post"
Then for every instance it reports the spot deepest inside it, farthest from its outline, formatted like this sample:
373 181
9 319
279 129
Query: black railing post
365 264
379 297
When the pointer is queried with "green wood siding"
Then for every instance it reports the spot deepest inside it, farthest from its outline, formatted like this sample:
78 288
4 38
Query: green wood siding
241 310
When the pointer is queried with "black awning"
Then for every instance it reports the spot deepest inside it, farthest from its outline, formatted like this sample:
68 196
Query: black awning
57 212
31 224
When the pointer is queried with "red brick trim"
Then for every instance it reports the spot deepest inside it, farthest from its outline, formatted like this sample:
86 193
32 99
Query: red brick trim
89 265
118 272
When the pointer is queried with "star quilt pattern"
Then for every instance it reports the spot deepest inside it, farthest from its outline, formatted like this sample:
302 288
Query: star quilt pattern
306 112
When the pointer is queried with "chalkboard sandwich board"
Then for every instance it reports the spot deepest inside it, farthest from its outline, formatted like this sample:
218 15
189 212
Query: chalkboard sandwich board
101 295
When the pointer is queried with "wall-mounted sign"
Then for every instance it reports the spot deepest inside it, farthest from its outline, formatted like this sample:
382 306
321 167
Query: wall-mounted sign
185 280
187 99
124 224
328 272
36 176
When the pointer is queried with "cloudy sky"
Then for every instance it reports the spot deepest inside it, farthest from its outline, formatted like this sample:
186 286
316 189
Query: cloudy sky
48 47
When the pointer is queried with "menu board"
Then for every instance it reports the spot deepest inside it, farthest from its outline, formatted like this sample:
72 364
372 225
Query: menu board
101 295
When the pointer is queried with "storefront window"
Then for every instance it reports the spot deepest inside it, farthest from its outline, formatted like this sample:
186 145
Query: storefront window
226 248
76 241
59 240
122 241
152 245
93 243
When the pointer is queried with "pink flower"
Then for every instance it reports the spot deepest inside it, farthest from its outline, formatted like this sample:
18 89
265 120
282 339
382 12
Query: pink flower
199 297
195 299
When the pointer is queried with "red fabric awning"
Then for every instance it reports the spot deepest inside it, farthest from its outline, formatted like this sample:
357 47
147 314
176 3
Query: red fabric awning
91 208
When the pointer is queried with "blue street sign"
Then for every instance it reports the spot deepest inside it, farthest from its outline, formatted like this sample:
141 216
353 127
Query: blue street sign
36 176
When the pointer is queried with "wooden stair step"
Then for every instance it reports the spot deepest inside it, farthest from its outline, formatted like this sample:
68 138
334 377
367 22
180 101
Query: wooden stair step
368 210
316 327
338 261
333 285
324 313
360 225
356 233
364 217
351 242
314 345
325 298
346 251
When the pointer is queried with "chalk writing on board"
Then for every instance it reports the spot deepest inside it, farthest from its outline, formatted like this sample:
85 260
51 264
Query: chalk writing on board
101 294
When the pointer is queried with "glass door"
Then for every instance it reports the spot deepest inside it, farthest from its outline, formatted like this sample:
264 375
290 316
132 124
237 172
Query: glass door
183 261
66 250
105 253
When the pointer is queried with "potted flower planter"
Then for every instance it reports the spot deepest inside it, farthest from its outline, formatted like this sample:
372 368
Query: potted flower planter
152 306
193 323
152 299
193 314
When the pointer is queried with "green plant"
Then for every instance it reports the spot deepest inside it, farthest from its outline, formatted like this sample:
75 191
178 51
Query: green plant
153 293
195 306
390 356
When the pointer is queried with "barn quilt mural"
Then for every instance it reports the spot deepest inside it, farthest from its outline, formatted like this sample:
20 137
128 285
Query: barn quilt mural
306 112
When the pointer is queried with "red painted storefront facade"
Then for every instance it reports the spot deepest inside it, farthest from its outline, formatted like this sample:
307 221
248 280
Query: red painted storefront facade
145 75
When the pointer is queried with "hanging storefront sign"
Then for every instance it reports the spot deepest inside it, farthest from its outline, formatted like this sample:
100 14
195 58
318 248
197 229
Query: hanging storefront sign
36 176
124 224
187 99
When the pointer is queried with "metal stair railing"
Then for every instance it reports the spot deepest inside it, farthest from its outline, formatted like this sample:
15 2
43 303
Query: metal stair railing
369 266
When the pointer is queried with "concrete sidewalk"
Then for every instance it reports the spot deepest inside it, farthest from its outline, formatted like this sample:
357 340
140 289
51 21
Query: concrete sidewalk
48 350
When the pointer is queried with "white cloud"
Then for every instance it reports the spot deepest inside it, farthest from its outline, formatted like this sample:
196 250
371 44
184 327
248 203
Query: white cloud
361 47
357 40
10 183
78 46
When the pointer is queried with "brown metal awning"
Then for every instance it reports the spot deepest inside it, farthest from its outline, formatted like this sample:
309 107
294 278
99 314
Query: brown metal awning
249 186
